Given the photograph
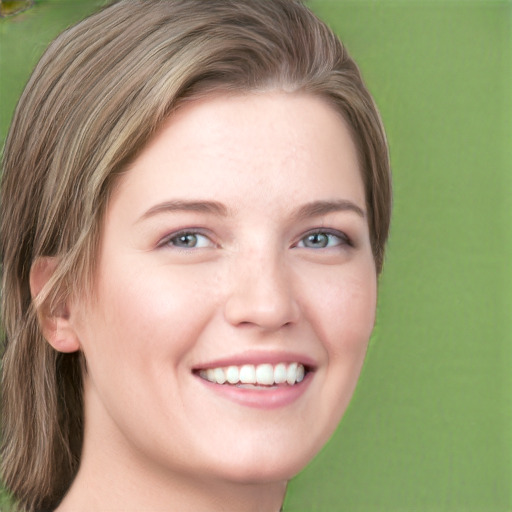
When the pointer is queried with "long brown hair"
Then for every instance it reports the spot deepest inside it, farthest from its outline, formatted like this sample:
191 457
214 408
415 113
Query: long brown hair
98 94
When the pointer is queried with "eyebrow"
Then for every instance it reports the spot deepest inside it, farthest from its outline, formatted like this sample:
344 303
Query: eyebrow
212 207
313 209
318 208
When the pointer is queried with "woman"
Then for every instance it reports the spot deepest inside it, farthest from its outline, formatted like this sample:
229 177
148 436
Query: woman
195 203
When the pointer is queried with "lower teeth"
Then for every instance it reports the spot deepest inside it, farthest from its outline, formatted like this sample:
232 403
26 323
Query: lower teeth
257 386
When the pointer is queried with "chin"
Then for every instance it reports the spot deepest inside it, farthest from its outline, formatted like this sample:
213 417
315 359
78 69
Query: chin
263 466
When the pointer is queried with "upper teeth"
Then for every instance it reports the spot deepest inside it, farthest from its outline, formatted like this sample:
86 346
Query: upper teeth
262 374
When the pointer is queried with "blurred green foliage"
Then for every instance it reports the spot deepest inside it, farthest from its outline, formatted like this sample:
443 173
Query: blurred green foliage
11 7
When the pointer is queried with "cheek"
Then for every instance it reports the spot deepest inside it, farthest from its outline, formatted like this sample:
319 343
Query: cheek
355 315
146 319
346 315
343 316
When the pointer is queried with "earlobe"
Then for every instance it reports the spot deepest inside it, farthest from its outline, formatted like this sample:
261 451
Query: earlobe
54 320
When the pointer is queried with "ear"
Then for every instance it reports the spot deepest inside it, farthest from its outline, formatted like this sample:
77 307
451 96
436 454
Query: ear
54 322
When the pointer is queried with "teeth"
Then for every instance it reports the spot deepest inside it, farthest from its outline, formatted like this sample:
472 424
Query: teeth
219 375
300 373
262 374
265 374
291 374
248 374
232 374
280 373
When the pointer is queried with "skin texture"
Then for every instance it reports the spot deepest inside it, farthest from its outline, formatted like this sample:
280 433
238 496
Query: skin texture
157 436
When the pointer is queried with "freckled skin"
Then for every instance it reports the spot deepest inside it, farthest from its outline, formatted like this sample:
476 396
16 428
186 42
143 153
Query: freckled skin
153 430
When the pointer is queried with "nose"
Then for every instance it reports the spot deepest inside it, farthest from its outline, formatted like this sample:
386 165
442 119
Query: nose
261 293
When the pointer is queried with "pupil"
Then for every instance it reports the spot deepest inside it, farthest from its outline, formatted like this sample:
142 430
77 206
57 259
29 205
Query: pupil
187 240
318 239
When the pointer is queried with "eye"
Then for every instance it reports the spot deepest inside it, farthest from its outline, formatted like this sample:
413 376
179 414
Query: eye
188 240
323 240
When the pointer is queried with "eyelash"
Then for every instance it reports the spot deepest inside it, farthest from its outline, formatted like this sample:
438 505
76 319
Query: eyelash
340 238
171 239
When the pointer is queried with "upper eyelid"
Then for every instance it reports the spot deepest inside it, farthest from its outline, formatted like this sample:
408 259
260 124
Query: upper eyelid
327 231
208 234
186 231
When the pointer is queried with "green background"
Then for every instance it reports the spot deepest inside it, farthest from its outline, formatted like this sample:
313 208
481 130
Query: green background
430 426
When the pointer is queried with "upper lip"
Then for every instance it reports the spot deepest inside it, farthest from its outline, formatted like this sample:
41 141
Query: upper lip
258 357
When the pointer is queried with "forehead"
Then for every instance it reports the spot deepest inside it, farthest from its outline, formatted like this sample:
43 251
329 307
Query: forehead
256 146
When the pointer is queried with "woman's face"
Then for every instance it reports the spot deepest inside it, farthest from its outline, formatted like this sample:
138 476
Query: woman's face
235 249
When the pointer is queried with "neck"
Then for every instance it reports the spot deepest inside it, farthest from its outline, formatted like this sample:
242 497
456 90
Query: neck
95 493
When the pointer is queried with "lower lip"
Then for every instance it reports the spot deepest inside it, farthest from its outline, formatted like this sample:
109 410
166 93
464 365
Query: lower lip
264 398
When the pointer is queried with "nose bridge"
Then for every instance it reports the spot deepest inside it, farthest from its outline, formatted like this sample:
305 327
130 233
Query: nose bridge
261 289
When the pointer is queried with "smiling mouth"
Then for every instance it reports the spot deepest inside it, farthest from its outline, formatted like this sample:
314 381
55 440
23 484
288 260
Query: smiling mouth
253 376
